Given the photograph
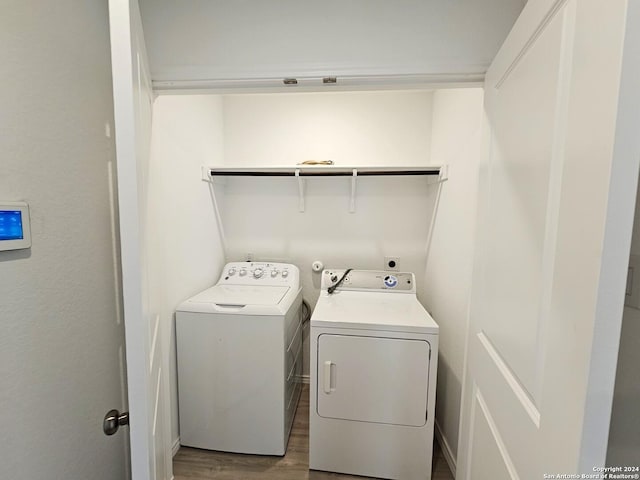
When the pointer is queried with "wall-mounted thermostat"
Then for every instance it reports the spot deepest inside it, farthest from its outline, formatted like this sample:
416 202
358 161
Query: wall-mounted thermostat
15 231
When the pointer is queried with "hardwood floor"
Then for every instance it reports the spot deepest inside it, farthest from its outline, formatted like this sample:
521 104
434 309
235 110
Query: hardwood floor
195 464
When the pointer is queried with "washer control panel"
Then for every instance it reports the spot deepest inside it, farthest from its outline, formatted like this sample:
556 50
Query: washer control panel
370 280
260 273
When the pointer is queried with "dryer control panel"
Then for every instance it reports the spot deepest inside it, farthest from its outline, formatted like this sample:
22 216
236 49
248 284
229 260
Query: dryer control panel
370 280
260 273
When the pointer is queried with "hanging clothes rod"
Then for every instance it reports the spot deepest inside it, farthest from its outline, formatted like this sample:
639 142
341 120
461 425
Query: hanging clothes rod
318 174
322 171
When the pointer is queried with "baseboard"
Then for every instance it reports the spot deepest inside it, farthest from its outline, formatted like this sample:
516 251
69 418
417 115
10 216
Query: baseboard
304 379
446 450
175 447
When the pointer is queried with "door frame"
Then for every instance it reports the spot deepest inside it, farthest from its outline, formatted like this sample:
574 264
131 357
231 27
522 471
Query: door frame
620 212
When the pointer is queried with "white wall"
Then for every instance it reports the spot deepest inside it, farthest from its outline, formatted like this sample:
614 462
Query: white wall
350 128
375 128
223 39
61 328
457 123
624 433
187 133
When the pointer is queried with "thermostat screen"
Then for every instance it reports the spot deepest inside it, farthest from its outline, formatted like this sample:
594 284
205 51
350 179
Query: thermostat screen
11 225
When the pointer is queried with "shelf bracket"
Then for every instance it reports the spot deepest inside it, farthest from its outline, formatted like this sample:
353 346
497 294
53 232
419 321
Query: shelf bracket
216 209
443 176
300 191
352 202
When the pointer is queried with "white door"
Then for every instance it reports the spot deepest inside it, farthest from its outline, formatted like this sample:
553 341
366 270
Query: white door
554 227
133 99
372 379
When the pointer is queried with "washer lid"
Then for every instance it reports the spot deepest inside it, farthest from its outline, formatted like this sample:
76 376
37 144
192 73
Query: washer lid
372 311
240 295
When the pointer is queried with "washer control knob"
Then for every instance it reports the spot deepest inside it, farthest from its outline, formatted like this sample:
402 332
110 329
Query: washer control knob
285 273
243 272
274 273
257 273
232 271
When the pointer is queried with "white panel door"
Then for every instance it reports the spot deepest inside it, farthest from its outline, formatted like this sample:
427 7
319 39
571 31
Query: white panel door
133 99
372 379
545 311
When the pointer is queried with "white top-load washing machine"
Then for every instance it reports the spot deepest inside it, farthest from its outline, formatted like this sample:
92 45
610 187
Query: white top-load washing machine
374 351
239 351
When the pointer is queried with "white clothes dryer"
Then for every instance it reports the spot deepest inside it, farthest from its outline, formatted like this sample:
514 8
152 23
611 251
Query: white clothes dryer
239 352
374 351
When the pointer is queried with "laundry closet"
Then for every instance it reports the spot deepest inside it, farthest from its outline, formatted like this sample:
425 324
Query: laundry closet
481 235
348 221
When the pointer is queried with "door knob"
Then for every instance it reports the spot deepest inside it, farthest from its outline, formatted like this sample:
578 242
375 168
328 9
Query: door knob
113 420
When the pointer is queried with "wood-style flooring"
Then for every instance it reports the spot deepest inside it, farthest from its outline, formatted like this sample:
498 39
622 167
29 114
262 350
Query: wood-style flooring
195 464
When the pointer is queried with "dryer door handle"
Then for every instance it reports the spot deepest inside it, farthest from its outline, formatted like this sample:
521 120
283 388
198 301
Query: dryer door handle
329 384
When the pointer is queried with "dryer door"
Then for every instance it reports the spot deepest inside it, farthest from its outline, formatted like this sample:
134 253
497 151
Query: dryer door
373 379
